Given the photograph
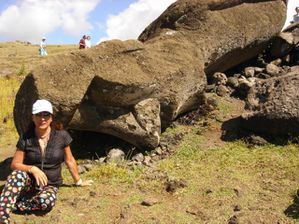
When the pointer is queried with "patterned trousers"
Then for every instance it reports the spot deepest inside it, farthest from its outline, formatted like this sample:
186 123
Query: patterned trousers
20 193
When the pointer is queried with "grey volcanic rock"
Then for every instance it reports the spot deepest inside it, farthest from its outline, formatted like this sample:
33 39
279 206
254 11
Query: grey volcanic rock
130 89
115 156
273 106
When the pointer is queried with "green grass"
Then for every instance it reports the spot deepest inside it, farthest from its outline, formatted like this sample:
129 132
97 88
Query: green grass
109 173
234 162
262 175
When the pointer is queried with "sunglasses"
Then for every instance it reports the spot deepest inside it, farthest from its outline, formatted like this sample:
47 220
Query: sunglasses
43 114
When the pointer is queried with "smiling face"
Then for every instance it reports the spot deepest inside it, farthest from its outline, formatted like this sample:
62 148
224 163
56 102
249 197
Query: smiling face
42 120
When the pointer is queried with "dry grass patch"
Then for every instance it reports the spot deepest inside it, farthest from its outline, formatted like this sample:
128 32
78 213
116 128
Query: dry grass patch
17 58
8 89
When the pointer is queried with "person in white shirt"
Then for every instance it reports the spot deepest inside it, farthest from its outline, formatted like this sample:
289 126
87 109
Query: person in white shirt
296 16
42 47
88 42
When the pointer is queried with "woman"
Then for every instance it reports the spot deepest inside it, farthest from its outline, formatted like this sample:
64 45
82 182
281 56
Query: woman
34 183
82 44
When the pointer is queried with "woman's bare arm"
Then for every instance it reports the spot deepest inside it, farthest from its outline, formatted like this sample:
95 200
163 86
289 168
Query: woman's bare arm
73 168
71 163
18 164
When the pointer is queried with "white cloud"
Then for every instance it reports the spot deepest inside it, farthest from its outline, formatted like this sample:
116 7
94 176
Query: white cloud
129 23
31 19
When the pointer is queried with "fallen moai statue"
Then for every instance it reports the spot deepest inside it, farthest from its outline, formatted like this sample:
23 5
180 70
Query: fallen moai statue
130 89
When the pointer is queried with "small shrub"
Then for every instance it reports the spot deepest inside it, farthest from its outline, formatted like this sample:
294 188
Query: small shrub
22 71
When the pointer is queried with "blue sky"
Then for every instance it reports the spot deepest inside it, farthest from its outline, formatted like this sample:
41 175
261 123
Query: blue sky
65 21
97 17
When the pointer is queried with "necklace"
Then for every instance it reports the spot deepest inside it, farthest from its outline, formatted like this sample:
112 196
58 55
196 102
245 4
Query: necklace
45 135
43 140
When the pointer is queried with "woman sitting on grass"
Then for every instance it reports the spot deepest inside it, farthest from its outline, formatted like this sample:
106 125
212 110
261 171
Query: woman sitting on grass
36 166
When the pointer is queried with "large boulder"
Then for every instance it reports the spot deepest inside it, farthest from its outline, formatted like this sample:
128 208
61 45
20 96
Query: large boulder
125 89
130 89
273 106
223 33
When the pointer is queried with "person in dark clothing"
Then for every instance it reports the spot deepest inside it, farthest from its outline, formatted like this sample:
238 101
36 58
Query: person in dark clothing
82 44
36 165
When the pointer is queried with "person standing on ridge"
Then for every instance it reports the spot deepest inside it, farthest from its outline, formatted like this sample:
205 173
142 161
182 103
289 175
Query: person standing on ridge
82 44
88 42
42 47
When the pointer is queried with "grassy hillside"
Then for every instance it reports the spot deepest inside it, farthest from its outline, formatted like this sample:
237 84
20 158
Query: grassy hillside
202 180
17 58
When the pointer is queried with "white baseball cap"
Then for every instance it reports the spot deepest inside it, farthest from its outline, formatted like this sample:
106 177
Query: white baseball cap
41 106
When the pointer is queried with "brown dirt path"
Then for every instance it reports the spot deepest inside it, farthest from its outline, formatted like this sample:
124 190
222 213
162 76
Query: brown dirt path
226 116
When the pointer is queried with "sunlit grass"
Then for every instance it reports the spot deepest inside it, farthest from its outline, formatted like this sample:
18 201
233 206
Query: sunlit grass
235 160
109 173
8 89
218 174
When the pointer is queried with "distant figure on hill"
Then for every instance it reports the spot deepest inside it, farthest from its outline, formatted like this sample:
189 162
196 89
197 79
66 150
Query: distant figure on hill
296 16
88 42
82 44
42 47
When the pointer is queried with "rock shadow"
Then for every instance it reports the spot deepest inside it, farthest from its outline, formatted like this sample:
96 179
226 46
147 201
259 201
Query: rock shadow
231 130
36 213
293 210
5 168
92 145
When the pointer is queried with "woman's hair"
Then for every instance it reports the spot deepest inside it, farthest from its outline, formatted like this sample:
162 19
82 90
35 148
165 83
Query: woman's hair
30 127
57 125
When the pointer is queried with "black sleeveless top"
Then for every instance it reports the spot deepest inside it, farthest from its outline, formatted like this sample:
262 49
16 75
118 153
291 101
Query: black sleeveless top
50 163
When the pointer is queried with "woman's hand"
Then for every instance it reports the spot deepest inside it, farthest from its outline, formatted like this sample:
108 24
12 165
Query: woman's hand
39 175
84 183
73 168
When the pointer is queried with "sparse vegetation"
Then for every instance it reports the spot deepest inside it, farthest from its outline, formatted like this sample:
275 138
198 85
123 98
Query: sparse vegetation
16 56
8 89
222 179
22 71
